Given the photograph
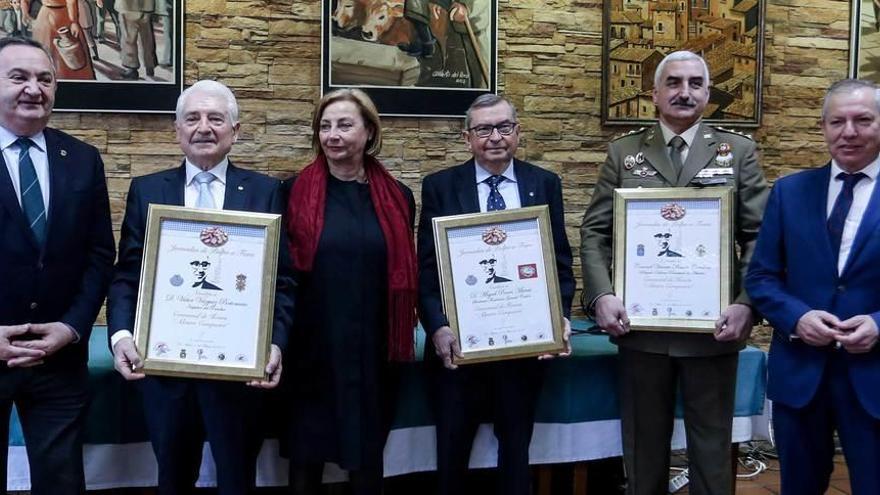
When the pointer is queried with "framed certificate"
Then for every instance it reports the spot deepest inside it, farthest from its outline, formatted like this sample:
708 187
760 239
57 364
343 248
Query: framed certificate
207 291
673 256
499 283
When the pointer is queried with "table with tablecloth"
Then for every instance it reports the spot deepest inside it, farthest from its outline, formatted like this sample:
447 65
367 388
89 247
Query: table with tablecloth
577 419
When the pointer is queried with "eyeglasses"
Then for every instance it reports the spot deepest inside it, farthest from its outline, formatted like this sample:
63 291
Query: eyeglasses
504 128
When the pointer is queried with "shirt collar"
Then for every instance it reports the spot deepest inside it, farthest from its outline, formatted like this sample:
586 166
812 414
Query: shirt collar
218 170
483 174
872 170
7 139
687 135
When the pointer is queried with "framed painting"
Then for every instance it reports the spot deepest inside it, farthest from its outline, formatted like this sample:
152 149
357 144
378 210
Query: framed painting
728 34
110 55
864 51
413 58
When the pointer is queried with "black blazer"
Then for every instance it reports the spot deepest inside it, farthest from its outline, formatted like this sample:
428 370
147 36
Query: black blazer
65 280
245 191
454 191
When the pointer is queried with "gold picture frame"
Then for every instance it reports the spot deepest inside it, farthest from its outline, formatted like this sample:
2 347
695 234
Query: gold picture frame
499 283
217 324
684 280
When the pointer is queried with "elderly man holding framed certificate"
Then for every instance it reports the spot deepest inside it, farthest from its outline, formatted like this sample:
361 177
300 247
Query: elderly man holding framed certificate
674 245
202 282
493 269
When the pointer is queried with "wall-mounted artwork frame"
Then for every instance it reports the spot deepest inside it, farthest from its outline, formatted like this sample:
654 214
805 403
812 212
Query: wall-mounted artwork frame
864 43
112 58
728 34
415 59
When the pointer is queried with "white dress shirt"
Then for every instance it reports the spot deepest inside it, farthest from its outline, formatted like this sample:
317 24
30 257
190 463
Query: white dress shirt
508 187
688 136
39 157
861 196
190 196
217 186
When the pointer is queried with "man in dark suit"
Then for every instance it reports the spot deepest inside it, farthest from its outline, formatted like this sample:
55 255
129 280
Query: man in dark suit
815 277
678 151
200 271
56 259
181 412
492 180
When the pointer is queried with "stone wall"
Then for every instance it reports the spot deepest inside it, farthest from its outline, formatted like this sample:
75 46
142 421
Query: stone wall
549 65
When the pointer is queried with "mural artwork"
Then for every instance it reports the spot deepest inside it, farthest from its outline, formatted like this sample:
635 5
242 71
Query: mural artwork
728 34
414 57
110 55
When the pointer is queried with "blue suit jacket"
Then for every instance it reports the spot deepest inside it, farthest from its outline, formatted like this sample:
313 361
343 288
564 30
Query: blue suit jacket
454 191
793 270
245 191
65 280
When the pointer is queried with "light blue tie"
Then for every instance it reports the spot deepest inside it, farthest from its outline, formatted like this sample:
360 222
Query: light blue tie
205 199
31 195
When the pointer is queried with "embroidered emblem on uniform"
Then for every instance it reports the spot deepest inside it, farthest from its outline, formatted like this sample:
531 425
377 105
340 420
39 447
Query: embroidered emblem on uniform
629 162
640 158
644 172
724 155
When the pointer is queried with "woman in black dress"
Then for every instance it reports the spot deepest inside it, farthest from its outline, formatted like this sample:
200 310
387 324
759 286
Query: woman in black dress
350 229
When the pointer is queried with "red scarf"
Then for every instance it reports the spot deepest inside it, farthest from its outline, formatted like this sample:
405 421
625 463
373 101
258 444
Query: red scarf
305 211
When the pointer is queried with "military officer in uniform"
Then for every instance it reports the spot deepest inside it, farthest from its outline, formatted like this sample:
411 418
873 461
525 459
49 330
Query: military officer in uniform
678 151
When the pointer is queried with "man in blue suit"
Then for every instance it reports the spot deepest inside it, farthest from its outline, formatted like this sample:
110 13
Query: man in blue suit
182 412
815 276
56 259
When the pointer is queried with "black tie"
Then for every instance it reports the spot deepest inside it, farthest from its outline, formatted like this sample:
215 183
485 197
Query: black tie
495 200
842 204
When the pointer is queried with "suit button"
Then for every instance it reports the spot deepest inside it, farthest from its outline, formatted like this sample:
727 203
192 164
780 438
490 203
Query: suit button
39 265
841 288
34 305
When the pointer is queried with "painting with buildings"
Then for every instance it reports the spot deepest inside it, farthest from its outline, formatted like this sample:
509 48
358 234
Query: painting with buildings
728 34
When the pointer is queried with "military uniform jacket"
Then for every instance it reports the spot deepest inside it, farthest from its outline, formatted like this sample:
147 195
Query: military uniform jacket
640 159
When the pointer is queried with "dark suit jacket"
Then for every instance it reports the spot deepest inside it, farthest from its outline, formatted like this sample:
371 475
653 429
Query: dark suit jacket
245 191
67 279
597 228
794 271
454 191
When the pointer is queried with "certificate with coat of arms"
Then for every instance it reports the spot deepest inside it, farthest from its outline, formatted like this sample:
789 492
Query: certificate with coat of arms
207 290
499 283
673 256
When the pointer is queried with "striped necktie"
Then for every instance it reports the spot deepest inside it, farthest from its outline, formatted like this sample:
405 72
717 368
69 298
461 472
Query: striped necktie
31 195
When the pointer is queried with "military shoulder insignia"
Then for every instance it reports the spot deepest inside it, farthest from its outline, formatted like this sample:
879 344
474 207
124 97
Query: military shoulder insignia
733 131
629 133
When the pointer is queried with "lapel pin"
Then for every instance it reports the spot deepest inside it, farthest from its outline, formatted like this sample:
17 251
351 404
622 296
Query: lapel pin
63 152
629 162
531 194
640 158
707 136
241 188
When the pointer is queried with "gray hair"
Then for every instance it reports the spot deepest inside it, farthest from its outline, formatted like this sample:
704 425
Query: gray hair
680 56
849 86
484 101
213 88
22 41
